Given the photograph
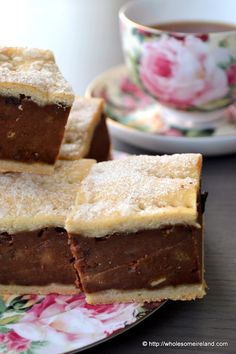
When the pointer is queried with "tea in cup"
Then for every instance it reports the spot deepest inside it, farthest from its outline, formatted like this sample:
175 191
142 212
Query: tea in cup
183 53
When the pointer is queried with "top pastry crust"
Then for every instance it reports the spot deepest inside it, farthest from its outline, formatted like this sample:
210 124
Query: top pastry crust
29 202
33 72
139 192
84 116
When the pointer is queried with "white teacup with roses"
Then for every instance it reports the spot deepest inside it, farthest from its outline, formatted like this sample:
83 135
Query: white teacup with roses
192 76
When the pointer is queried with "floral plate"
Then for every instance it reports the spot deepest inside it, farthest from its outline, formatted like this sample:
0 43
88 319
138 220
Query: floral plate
33 324
135 118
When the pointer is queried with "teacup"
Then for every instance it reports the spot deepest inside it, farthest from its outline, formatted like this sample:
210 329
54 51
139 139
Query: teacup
192 75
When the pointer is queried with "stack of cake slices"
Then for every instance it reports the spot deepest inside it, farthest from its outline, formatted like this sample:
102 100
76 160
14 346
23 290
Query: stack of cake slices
70 221
40 119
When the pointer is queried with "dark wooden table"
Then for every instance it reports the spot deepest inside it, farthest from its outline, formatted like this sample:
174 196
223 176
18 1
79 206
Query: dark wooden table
214 317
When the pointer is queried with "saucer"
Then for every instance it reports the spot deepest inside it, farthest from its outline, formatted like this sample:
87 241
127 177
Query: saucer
135 118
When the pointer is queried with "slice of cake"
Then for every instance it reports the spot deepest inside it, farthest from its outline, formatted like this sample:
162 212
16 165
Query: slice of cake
34 253
86 132
35 102
136 230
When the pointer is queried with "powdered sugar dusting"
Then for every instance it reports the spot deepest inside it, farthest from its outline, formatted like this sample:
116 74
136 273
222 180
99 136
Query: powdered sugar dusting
35 70
28 199
138 188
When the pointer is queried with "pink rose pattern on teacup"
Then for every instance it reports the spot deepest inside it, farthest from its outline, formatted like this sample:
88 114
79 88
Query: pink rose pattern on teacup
184 73
56 324
135 108
187 72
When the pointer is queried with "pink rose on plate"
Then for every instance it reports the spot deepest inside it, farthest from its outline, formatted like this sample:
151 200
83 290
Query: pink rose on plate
14 342
183 73
68 322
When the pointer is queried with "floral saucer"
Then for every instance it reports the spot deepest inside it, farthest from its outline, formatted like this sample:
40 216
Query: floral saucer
135 118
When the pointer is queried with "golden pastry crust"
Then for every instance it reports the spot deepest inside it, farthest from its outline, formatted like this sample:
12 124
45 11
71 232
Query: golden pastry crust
84 116
139 192
37 167
30 202
180 292
61 289
33 72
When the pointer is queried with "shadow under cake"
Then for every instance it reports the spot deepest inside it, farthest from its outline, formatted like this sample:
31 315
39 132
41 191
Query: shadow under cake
35 255
35 101
136 230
